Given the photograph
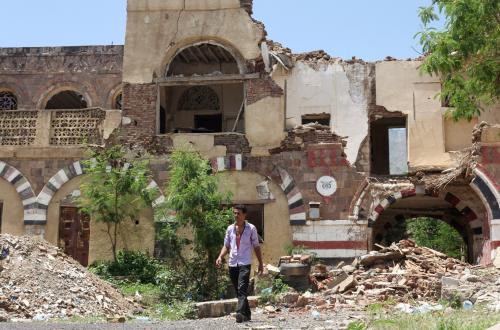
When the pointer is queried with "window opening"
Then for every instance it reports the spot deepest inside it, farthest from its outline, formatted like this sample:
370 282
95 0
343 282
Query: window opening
389 154
66 100
8 101
322 119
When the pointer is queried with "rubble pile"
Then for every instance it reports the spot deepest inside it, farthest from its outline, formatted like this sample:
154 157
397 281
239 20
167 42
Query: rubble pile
404 273
38 281
303 135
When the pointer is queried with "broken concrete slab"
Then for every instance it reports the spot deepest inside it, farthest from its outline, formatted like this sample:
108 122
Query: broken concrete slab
219 308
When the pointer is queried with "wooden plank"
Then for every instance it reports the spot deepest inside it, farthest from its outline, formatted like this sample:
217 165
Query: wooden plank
206 79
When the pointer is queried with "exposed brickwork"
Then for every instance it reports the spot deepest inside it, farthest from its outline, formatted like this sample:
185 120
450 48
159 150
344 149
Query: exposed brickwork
139 104
306 167
258 89
235 143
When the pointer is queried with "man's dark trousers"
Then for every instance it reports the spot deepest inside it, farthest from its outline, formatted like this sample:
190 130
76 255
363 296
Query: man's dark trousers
240 277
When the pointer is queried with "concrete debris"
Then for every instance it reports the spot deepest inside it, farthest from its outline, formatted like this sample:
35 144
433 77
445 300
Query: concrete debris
403 272
302 135
39 282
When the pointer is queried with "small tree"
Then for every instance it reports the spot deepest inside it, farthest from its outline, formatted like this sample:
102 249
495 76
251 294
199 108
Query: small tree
465 54
114 189
192 193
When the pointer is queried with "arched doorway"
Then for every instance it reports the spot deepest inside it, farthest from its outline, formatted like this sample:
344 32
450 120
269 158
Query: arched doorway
198 95
391 223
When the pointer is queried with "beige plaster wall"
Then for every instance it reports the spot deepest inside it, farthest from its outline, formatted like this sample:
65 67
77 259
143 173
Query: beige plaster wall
131 236
401 87
202 143
264 124
156 29
13 211
277 229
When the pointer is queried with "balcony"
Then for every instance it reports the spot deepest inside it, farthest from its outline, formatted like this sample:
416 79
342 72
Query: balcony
56 128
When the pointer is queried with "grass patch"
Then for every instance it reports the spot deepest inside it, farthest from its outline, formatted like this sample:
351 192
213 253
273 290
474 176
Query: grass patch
476 319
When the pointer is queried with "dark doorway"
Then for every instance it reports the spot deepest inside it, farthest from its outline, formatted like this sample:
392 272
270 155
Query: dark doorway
74 233
255 215
210 123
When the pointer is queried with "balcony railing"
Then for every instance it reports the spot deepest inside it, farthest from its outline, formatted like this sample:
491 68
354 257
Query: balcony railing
51 127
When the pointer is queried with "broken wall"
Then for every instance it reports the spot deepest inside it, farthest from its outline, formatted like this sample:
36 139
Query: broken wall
401 87
340 89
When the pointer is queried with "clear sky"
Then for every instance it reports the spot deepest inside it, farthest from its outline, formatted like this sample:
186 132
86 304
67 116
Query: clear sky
367 29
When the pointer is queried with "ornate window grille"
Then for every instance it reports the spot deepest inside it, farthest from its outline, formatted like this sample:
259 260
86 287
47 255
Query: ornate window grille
8 101
199 98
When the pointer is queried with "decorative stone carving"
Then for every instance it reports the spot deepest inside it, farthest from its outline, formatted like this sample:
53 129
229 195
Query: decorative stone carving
8 101
199 98
75 127
17 128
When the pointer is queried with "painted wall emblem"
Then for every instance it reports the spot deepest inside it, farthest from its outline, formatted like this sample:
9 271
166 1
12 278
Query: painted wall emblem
326 186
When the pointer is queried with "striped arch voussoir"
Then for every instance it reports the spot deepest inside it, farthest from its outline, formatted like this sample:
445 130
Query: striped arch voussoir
296 205
470 216
36 212
20 183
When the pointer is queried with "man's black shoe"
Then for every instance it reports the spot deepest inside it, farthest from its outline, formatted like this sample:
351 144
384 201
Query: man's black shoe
239 318
246 318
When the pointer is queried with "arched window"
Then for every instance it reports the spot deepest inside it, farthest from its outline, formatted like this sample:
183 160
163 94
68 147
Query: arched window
67 100
199 98
8 101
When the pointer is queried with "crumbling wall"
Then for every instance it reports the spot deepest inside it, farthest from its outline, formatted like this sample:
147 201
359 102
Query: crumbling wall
339 89
157 29
402 87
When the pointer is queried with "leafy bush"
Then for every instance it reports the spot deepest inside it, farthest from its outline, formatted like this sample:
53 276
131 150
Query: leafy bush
134 265
190 282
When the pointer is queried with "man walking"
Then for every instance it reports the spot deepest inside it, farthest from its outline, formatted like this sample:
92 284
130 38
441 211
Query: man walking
240 238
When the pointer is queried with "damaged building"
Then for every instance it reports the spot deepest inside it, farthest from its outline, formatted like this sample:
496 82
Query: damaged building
326 153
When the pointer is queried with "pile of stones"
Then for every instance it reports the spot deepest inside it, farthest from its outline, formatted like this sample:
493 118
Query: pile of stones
39 282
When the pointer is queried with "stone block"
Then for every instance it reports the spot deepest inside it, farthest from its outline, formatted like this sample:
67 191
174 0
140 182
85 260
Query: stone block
219 308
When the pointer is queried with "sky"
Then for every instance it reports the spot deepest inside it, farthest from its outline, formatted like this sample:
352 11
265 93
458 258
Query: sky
367 29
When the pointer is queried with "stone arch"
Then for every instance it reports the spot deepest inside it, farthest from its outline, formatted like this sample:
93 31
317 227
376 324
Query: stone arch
83 90
64 175
180 46
284 180
487 192
113 95
23 188
18 92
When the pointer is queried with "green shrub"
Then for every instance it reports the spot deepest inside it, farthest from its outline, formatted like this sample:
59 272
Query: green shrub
133 265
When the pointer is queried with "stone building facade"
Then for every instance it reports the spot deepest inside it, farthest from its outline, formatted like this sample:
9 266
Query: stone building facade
328 154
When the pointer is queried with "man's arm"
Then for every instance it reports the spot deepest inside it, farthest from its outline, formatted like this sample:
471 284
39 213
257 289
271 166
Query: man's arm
222 254
256 247
258 253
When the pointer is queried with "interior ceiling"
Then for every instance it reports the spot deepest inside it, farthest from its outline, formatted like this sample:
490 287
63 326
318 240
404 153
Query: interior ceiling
205 53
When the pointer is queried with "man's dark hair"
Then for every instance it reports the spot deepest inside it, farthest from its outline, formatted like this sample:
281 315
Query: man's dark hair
241 207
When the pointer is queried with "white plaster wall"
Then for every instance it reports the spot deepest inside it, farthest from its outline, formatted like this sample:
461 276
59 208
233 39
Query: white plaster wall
328 88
